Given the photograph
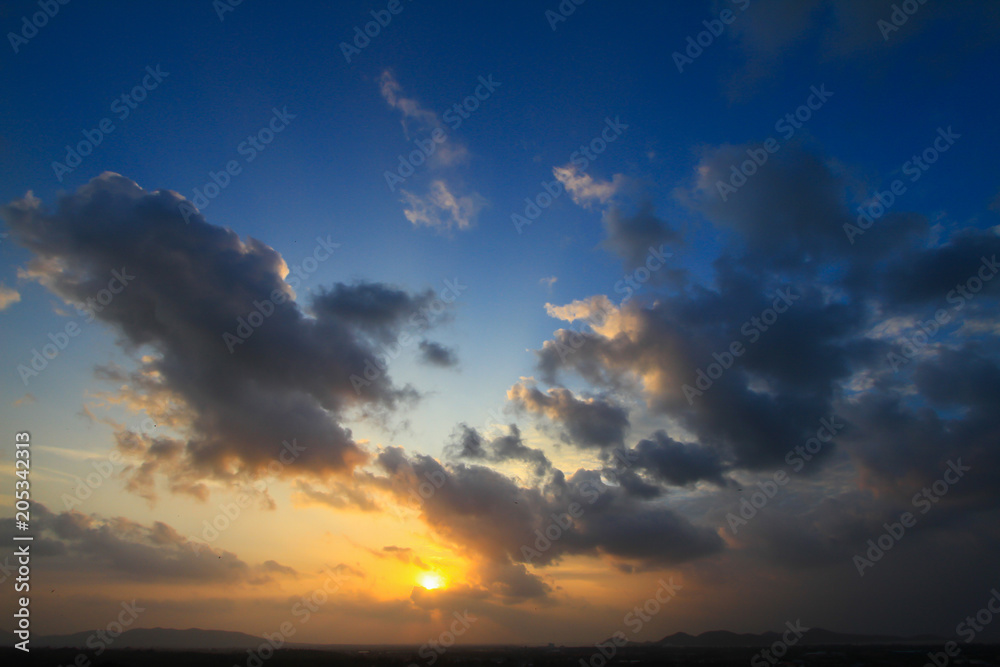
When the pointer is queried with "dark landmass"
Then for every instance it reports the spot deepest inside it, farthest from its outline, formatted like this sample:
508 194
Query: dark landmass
651 654
200 640
812 637
203 648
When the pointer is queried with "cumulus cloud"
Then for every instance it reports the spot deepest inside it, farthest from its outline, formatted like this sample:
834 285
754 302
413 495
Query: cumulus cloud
468 443
844 309
492 518
237 403
678 463
588 422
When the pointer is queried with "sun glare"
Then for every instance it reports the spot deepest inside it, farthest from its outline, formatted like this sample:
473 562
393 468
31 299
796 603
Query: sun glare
430 580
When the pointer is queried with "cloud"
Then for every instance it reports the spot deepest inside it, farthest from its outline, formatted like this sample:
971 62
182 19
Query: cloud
584 189
469 444
409 107
441 209
678 463
8 297
436 354
634 237
27 399
136 552
489 515
291 379
825 355
339 495
402 554
589 422
774 33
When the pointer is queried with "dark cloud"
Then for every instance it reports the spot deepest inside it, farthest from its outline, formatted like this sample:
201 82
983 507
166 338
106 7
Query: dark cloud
294 377
499 522
632 237
678 463
771 34
136 552
825 354
469 444
436 354
589 422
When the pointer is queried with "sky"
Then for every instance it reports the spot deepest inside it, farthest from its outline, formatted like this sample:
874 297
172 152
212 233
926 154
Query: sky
524 310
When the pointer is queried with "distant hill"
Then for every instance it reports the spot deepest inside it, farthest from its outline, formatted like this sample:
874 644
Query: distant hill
213 640
162 638
812 637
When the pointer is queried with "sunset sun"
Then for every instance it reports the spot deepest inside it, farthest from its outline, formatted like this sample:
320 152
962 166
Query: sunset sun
431 580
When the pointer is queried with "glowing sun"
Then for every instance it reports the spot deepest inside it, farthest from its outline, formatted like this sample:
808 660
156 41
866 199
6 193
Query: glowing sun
430 580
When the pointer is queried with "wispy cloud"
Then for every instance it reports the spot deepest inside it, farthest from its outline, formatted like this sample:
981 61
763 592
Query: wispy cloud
585 189
444 206
442 209
8 297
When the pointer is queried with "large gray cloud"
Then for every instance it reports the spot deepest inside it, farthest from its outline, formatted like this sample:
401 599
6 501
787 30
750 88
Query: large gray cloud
73 541
290 380
847 308
591 422
499 522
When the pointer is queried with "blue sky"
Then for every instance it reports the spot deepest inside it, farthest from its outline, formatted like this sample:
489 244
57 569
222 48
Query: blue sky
558 87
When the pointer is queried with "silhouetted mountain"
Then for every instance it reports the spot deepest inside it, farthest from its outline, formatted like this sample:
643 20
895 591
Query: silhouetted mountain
164 638
812 637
